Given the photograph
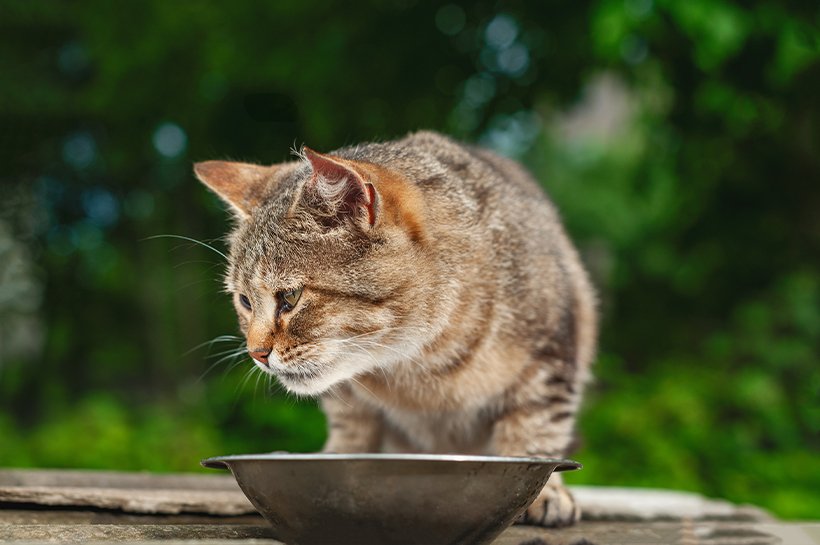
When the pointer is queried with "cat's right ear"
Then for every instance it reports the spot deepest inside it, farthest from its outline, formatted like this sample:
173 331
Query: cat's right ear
241 185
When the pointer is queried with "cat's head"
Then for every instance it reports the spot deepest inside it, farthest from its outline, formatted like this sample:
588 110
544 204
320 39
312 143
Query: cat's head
326 266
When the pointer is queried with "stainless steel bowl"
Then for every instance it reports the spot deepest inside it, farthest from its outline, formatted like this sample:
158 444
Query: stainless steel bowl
389 499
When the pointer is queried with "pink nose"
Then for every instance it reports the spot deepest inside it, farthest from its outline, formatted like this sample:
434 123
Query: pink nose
260 355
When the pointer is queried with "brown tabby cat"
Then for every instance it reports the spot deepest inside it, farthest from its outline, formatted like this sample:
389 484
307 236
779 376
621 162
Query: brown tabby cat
424 289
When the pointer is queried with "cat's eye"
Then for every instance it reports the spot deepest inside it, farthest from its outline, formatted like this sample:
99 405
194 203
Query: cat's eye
290 298
245 301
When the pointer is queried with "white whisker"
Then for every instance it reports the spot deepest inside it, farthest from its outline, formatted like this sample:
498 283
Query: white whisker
364 387
335 395
189 239
220 339
232 354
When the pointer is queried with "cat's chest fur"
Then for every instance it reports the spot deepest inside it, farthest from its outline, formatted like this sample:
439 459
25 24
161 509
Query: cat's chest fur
446 406
413 429
466 432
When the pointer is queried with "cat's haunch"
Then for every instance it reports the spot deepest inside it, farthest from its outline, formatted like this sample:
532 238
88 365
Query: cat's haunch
424 289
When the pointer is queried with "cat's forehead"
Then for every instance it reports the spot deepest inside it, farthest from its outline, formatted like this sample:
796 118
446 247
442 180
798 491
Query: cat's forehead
272 250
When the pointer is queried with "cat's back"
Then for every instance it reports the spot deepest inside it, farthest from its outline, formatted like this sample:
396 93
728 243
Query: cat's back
473 167
465 186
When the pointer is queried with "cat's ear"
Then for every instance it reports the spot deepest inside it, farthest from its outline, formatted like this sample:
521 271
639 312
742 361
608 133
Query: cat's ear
341 184
241 185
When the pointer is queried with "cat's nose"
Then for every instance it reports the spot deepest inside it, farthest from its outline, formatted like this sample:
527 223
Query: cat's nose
260 355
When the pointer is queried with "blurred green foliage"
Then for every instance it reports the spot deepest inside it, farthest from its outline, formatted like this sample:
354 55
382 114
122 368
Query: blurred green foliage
681 141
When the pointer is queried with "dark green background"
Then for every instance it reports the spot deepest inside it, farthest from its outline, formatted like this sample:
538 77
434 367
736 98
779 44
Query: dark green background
696 206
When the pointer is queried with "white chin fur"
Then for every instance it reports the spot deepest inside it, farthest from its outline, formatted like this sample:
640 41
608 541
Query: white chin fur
306 387
315 386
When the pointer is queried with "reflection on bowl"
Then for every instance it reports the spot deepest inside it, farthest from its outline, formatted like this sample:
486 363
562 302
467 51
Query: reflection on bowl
389 499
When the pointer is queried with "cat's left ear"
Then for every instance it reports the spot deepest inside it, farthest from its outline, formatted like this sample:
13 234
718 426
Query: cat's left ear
340 183
242 185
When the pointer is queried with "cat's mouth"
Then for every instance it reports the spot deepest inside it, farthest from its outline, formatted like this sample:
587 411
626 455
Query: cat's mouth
311 375
290 372
304 378
296 375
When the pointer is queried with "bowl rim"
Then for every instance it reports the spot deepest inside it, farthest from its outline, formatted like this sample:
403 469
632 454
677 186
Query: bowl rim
222 462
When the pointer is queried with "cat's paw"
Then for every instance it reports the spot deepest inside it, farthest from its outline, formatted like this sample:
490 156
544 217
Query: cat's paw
554 507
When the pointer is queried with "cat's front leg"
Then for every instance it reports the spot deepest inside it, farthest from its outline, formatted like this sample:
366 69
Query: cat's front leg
554 507
352 426
541 428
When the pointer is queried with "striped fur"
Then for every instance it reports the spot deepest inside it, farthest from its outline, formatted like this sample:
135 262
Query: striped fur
443 309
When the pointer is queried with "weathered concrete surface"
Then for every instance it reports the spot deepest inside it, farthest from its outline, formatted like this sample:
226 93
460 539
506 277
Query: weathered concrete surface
37 515
610 503
221 531
85 533
219 495
21 526
108 507
129 492
115 479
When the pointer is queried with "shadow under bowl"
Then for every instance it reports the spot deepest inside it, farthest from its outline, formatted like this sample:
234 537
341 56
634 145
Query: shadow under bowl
389 499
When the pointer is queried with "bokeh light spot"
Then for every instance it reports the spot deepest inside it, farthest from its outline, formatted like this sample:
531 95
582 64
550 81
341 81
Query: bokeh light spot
450 19
170 140
501 31
100 206
79 150
73 59
514 60
514 134
479 89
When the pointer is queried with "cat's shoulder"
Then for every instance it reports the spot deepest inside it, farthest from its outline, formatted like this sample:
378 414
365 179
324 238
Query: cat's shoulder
473 163
455 153
437 145
430 138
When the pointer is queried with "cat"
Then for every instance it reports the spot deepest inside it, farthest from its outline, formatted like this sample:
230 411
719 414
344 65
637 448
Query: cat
424 290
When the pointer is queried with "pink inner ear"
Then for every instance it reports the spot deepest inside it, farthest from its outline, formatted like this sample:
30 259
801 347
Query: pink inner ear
359 192
333 169
325 166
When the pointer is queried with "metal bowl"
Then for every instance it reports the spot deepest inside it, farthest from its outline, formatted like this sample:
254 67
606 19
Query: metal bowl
389 499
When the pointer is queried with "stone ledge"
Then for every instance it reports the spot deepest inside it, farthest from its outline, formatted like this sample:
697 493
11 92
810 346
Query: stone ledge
174 494
611 503
131 492
585 533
